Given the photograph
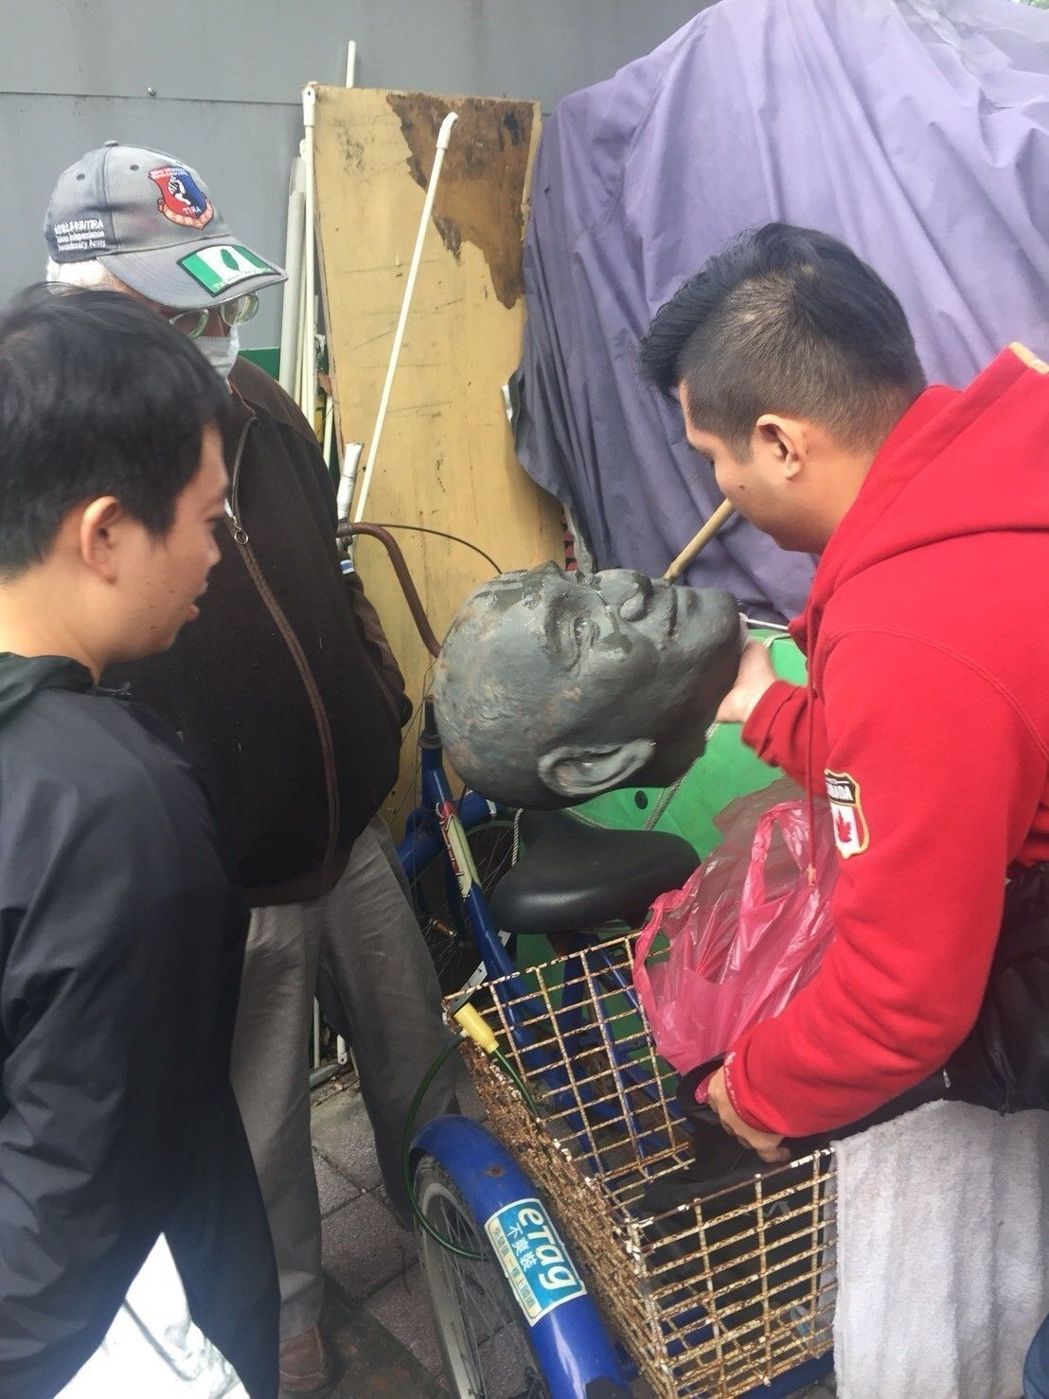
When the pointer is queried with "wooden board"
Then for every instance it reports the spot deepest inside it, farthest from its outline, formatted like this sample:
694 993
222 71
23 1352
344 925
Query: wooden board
446 459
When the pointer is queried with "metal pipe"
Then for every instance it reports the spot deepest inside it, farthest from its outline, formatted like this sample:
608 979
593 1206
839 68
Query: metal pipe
411 595
431 189
319 1076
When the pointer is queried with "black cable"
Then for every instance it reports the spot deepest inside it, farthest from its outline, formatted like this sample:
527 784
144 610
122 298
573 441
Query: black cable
442 534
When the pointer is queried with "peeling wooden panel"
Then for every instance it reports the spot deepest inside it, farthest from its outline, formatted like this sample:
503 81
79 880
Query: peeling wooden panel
479 195
446 461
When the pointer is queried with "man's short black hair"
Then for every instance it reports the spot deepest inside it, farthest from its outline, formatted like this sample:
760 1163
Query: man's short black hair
786 320
98 396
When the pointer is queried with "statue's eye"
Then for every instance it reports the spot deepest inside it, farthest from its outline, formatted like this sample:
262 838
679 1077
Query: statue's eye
575 632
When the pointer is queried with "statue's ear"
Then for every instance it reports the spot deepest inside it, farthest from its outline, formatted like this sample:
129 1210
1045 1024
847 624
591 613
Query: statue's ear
581 770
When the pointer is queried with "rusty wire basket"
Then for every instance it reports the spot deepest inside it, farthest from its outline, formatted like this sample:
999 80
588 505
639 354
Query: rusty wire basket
714 1296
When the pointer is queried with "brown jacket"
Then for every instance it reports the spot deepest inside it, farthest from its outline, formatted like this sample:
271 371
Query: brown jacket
285 688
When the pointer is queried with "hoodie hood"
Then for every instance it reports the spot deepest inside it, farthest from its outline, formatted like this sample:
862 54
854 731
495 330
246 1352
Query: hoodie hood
21 677
957 463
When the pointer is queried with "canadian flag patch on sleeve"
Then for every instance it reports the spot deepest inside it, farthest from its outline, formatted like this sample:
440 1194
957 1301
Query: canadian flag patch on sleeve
851 835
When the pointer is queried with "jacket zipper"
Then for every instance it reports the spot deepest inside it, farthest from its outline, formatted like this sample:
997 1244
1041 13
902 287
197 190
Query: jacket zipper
240 537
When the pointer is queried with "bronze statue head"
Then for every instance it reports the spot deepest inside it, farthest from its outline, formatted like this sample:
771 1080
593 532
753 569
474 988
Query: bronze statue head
553 687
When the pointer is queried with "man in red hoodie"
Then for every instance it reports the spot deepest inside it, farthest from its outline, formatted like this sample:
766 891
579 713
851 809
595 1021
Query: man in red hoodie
926 715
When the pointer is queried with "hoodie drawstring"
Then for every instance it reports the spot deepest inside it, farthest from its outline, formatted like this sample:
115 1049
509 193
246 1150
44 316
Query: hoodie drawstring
810 730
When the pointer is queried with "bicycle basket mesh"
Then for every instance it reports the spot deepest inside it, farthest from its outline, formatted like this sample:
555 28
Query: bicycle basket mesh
714 1296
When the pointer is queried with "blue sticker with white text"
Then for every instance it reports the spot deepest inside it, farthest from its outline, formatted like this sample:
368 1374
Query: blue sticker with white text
535 1261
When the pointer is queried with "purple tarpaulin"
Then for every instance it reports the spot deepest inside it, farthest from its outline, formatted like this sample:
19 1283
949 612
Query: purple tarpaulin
918 136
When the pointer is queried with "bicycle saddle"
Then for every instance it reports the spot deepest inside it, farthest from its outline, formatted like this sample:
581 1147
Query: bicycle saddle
573 876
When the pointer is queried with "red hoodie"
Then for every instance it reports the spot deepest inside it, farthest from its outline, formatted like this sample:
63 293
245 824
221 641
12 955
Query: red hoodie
926 720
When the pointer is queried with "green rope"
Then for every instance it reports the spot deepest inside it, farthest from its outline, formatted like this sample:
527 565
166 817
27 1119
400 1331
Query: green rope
409 1131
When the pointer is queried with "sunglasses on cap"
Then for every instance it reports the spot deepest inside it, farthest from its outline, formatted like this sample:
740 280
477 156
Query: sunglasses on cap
192 323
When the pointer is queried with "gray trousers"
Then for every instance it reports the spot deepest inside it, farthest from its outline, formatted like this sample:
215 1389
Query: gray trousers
365 938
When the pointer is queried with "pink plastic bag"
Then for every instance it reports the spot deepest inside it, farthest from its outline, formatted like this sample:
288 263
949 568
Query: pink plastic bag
746 932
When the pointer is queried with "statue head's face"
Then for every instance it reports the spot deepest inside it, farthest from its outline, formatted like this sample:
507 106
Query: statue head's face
552 687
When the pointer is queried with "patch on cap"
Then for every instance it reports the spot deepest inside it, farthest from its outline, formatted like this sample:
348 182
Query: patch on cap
181 199
79 236
224 265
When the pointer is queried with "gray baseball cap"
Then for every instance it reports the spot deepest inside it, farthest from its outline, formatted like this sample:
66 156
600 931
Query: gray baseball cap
149 219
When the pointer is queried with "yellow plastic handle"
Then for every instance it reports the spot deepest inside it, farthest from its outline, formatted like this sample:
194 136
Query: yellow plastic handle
473 1025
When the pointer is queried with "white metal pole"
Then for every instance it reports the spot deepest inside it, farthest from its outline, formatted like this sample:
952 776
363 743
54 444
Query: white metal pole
329 424
384 403
296 391
290 308
308 402
348 478
351 63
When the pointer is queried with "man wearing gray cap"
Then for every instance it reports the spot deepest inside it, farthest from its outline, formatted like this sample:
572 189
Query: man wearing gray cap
287 691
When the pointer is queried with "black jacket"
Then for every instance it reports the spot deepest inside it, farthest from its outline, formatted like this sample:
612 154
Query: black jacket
121 940
282 688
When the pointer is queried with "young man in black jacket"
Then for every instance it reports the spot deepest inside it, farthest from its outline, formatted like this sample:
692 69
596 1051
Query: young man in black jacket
288 693
121 929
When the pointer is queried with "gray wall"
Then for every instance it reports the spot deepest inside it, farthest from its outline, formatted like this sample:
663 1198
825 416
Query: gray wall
227 76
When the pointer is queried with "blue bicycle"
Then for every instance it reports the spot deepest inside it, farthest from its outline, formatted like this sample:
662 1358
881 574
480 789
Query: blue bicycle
566 1248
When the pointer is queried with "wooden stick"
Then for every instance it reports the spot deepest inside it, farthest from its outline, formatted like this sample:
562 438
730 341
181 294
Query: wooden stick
724 512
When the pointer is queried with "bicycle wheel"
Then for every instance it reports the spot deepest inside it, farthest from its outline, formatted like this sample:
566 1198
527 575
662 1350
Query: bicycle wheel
480 1329
439 910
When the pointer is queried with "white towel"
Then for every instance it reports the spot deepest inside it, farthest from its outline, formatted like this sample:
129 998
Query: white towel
943 1266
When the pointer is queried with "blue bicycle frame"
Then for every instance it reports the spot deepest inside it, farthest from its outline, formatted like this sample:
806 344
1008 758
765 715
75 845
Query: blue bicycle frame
438 823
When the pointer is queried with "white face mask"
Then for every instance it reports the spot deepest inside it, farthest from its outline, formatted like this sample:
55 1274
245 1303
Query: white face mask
220 351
